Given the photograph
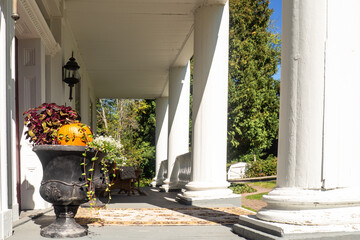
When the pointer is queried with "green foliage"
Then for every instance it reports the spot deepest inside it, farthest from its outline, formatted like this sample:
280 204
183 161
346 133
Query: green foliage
145 182
261 168
254 54
239 188
109 127
131 122
245 158
257 196
140 143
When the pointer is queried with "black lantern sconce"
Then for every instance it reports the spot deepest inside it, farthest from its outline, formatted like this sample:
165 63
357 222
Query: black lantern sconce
71 73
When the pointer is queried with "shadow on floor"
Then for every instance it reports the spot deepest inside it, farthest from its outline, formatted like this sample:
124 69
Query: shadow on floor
44 221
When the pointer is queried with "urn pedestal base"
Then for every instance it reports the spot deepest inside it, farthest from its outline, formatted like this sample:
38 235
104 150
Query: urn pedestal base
64 226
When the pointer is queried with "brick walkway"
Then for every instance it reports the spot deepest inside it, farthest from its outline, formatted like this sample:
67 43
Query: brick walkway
253 203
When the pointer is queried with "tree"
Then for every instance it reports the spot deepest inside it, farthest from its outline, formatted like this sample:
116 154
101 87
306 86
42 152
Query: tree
254 53
132 122
107 117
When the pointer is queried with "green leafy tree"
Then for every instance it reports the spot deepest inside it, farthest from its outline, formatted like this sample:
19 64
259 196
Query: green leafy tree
254 53
131 122
139 142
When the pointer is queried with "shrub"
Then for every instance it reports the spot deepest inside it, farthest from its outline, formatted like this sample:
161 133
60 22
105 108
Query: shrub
145 182
239 188
261 168
242 158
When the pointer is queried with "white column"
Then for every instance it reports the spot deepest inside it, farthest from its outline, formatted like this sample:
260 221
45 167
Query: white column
6 92
11 111
209 105
318 159
179 104
161 138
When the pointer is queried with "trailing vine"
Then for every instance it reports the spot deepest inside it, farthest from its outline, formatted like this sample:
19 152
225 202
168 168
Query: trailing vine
89 179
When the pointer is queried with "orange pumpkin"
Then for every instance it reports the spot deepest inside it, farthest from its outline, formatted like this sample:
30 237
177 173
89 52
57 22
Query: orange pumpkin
74 134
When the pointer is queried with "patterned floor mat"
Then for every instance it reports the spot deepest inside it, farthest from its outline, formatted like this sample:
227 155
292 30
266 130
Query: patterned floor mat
161 216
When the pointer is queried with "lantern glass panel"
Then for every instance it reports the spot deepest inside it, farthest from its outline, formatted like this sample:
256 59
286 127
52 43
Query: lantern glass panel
70 73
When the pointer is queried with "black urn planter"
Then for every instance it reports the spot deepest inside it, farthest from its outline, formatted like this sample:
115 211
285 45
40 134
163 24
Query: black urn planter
63 185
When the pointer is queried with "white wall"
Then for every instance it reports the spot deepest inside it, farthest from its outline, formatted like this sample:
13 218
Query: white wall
31 68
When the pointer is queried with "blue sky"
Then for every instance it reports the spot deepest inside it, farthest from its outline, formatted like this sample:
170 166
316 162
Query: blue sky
276 17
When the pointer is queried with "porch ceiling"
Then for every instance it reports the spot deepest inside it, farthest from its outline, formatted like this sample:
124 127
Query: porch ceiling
128 46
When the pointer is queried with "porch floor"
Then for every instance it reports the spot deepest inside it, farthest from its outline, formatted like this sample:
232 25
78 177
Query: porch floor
155 215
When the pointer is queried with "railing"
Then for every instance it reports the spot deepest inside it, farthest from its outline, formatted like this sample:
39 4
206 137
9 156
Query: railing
181 173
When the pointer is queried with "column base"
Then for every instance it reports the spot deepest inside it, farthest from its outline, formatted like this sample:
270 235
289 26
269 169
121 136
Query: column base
252 228
312 207
157 183
165 188
233 199
172 187
6 223
153 183
208 193
315 217
169 188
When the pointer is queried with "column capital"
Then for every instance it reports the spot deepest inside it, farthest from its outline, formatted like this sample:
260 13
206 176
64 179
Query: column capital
211 3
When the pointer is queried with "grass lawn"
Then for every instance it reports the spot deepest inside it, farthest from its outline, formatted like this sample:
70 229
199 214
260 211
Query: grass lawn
256 196
239 188
269 184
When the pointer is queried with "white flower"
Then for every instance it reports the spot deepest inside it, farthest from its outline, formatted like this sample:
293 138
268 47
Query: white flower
111 147
102 140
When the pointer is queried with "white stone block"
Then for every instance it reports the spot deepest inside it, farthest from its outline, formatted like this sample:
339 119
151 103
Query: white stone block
237 171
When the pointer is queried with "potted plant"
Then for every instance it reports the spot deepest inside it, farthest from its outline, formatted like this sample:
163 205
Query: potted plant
43 122
103 177
60 141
